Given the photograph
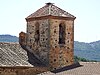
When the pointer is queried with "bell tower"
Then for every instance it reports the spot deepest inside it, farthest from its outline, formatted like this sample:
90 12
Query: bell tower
50 36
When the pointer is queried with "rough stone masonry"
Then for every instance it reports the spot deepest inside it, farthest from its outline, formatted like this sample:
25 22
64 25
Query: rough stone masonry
50 36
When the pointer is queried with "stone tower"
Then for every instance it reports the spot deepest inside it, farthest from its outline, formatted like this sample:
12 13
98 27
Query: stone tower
50 36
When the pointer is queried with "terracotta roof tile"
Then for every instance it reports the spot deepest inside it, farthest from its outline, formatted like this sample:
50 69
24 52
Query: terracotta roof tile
50 9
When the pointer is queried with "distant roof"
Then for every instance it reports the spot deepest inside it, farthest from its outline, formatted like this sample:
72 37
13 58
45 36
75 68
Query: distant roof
11 54
86 68
50 9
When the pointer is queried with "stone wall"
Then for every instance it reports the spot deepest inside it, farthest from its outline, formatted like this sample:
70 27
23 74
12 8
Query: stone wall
39 47
61 54
42 39
22 70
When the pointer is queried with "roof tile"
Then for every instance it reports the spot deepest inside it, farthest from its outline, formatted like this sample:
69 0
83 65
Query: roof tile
50 9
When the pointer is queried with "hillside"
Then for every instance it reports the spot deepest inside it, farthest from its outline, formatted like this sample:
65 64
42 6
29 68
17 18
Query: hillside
89 51
8 38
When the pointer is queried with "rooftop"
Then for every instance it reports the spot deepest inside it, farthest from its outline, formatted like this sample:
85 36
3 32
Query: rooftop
11 54
50 9
87 68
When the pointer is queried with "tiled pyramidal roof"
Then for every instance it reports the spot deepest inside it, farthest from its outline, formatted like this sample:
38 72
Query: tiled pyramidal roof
50 9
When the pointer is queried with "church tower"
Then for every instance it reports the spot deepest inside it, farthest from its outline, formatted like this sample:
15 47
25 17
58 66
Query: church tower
50 36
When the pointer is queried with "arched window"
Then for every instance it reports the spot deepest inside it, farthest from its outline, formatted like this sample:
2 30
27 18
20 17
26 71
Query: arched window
37 35
62 33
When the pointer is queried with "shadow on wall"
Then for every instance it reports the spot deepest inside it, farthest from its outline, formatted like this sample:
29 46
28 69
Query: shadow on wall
33 60
75 65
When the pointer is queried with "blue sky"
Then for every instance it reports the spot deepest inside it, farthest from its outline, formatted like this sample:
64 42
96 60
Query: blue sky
87 12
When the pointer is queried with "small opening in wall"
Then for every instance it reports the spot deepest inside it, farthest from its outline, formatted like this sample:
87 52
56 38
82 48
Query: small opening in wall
45 45
44 60
68 32
55 46
43 39
68 41
55 21
54 68
54 60
66 60
55 31
68 48
46 38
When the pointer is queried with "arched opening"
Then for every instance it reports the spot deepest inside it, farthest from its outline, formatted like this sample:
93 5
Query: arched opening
37 34
61 33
